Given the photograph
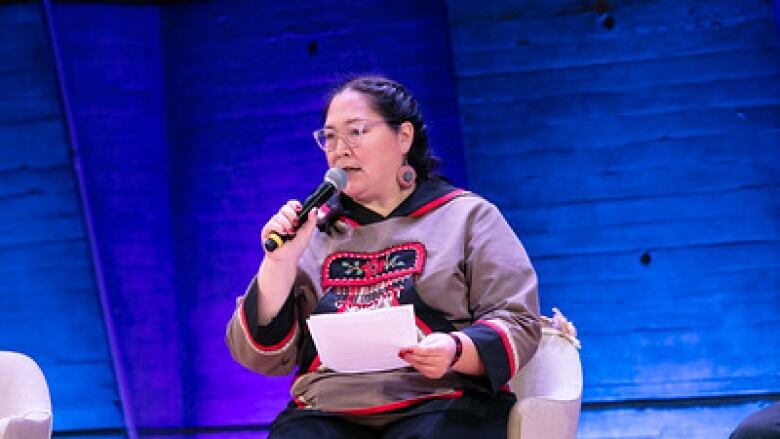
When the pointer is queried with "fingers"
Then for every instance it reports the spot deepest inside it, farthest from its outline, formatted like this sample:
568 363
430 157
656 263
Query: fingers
432 356
290 212
285 221
425 356
293 237
288 216
422 352
433 345
311 223
424 361
431 367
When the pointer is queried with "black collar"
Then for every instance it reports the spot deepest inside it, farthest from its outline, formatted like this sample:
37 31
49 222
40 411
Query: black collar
428 195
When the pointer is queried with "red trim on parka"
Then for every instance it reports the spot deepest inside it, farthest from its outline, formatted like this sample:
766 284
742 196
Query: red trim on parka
399 404
433 204
256 344
505 340
420 211
422 325
390 406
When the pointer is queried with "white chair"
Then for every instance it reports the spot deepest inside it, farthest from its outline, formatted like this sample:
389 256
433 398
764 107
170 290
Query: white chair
548 389
25 405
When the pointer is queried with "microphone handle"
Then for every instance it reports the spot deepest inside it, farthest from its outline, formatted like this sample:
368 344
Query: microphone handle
316 199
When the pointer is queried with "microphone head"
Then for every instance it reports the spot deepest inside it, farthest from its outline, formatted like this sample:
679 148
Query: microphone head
337 177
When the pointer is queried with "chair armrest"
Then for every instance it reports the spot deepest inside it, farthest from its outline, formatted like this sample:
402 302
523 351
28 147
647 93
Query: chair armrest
566 336
31 425
552 418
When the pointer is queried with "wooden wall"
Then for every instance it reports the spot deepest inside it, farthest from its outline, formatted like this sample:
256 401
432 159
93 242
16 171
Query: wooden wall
49 303
635 148
112 59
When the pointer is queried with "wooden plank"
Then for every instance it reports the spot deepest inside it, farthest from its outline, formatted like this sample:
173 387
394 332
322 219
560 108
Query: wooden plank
729 206
669 261
23 149
663 235
622 185
635 20
527 58
620 76
741 94
606 130
665 14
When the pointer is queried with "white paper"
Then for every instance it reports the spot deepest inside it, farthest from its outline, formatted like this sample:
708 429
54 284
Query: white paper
364 341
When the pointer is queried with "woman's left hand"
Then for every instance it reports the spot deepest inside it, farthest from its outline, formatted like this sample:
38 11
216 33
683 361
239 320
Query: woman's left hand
431 356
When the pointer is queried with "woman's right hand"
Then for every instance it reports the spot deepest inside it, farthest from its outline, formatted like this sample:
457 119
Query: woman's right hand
284 223
277 272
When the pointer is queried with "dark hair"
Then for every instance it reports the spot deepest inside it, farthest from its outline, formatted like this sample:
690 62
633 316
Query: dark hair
396 105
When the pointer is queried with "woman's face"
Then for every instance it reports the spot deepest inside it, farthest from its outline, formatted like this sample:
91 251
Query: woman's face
373 162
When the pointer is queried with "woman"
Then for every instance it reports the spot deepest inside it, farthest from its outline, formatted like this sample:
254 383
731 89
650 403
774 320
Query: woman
398 235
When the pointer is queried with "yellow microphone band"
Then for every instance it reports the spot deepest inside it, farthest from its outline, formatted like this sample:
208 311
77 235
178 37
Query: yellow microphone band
277 239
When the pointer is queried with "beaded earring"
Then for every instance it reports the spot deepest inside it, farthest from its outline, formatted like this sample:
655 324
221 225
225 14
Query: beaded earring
406 175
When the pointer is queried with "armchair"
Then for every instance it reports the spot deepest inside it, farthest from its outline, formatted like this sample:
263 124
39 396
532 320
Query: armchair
549 386
25 405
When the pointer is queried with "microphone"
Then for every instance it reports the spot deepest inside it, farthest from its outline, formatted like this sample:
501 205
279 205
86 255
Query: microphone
333 182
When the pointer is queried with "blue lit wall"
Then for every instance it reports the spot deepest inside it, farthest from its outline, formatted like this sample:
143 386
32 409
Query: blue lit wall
112 60
633 148
641 145
49 303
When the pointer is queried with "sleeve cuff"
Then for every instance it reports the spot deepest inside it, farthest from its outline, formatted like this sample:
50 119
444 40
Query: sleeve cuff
495 350
277 333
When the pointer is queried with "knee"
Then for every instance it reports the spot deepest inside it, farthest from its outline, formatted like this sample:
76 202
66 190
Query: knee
748 430
764 424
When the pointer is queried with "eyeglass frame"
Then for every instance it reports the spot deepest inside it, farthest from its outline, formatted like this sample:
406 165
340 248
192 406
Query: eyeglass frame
366 125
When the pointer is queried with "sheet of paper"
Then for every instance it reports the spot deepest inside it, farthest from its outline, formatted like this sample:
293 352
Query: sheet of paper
364 341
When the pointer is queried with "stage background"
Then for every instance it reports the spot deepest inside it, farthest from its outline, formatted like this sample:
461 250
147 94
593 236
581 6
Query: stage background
633 147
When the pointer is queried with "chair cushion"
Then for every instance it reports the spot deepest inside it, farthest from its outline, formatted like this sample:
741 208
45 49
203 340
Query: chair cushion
23 386
3 423
31 425
544 418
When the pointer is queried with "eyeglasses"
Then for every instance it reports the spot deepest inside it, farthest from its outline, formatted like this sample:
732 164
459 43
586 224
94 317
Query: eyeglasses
327 138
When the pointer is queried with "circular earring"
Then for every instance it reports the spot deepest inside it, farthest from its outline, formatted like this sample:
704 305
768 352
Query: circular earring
406 175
